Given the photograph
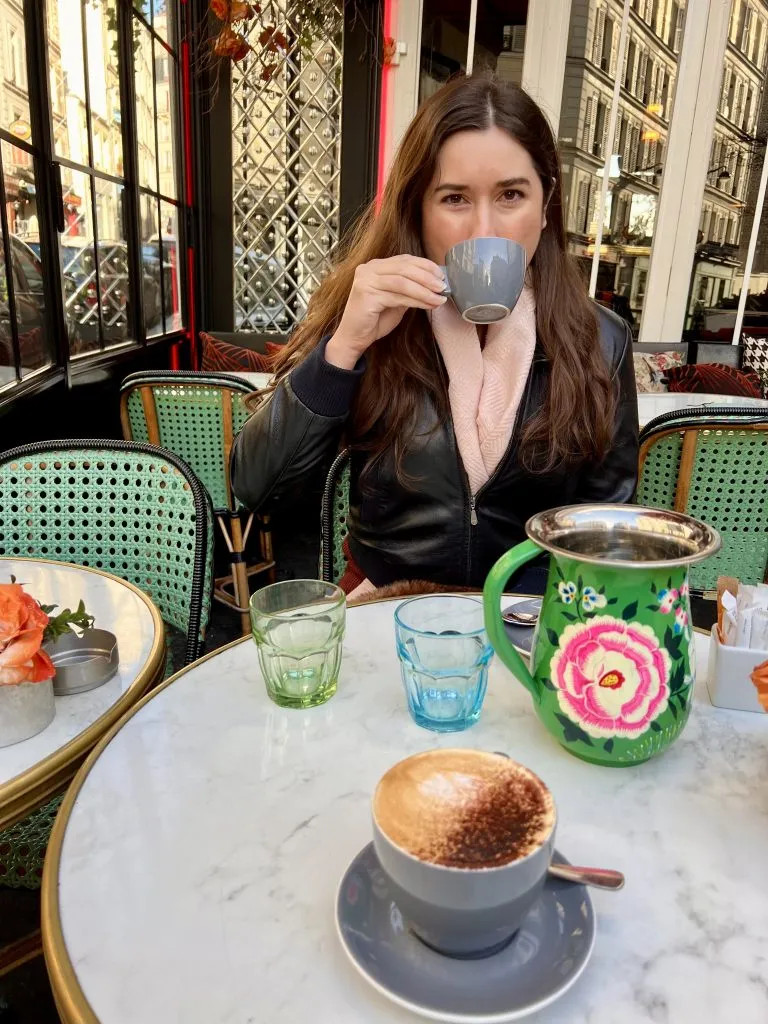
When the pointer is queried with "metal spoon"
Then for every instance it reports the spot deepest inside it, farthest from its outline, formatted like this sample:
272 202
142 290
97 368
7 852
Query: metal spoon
520 618
600 878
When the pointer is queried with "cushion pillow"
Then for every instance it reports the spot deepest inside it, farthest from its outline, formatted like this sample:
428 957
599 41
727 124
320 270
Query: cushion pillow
755 357
651 367
714 379
223 357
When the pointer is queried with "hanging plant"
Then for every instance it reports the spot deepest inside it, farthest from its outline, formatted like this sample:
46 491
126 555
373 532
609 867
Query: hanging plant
272 33
313 19
230 42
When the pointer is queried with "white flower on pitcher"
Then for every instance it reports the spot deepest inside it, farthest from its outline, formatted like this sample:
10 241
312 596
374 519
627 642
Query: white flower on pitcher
567 592
590 599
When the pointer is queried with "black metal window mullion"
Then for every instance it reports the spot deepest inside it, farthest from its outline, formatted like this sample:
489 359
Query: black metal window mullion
157 181
49 205
9 283
132 200
90 176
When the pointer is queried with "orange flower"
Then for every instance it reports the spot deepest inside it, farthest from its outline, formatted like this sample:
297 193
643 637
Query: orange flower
22 624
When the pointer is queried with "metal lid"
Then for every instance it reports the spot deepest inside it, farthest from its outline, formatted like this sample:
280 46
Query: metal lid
83 662
623 536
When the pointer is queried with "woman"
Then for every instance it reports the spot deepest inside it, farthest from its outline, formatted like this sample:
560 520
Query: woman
458 435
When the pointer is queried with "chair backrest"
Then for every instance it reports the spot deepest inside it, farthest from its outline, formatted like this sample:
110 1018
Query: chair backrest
195 415
712 463
334 528
131 509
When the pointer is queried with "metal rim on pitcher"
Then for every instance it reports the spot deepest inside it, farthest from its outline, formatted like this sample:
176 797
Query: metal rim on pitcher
541 527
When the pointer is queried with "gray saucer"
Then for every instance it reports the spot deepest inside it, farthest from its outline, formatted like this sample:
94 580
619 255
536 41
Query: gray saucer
549 953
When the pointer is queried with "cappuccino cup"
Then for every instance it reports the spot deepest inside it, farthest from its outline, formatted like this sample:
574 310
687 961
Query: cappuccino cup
484 277
465 838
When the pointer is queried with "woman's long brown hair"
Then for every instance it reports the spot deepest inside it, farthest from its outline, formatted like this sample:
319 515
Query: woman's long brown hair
575 421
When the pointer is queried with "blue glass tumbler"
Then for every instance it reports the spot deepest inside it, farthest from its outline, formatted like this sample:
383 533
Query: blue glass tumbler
444 655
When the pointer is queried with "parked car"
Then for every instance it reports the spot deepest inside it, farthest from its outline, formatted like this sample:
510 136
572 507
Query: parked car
79 277
29 296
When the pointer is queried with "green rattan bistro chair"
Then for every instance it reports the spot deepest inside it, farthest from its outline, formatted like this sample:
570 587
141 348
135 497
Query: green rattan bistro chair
197 416
333 524
711 462
131 509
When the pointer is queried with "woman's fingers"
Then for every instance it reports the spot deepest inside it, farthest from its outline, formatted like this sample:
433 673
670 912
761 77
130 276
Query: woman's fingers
407 291
415 268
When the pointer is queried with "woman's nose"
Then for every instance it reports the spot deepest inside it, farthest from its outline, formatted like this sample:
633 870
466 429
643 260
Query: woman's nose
484 226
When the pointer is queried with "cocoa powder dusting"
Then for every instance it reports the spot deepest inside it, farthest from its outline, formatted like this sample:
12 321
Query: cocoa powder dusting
506 821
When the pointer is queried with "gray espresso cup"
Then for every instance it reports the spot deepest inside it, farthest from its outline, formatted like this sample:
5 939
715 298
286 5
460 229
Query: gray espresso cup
427 806
484 277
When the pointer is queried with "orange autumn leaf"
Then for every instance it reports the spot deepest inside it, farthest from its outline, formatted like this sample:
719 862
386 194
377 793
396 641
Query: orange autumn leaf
230 44
273 39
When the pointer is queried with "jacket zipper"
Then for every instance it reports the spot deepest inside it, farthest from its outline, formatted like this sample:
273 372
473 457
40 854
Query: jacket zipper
474 497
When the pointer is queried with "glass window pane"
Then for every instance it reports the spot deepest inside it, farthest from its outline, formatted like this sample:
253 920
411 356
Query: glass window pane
164 19
68 76
444 40
734 163
151 266
635 154
167 121
36 348
500 38
13 83
145 106
78 264
113 262
104 85
171 270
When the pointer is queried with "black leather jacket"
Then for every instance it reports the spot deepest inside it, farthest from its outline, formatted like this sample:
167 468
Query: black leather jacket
432 529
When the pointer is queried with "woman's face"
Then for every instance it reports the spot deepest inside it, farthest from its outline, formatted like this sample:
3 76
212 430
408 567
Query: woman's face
485 185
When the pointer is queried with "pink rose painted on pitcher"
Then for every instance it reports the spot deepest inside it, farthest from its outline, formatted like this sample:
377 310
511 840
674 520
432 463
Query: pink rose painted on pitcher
611 676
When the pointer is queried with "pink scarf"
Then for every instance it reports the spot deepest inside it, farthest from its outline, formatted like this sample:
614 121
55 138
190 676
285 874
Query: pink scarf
485 386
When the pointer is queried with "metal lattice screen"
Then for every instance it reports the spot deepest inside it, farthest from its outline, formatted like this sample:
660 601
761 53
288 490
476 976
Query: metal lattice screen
286 122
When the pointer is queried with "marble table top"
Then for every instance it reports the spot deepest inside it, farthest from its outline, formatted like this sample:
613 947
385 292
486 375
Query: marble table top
117 607
193 870
653 404
257 380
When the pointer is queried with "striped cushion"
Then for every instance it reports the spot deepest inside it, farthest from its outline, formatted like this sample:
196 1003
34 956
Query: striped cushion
223 357
714 379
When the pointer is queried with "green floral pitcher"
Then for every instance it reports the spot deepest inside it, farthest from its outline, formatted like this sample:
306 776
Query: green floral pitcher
612 664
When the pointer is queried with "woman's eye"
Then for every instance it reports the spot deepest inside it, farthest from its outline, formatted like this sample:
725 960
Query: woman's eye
453 199
512 194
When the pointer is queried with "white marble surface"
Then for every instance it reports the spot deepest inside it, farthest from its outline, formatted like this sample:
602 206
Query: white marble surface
116 608
650 405
258 380
200 864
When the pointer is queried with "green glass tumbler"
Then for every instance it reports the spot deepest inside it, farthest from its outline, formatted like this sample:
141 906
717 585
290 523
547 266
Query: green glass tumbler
298 626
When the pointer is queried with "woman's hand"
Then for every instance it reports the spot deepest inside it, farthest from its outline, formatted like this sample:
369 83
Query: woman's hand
381 292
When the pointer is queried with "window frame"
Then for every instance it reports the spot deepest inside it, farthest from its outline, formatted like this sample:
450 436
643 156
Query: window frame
44 104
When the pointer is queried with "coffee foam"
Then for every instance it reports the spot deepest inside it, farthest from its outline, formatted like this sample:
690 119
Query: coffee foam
464 808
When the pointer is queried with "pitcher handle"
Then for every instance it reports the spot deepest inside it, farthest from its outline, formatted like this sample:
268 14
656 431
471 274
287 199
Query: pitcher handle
494 625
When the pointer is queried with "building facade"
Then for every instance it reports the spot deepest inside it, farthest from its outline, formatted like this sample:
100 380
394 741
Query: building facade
637 154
